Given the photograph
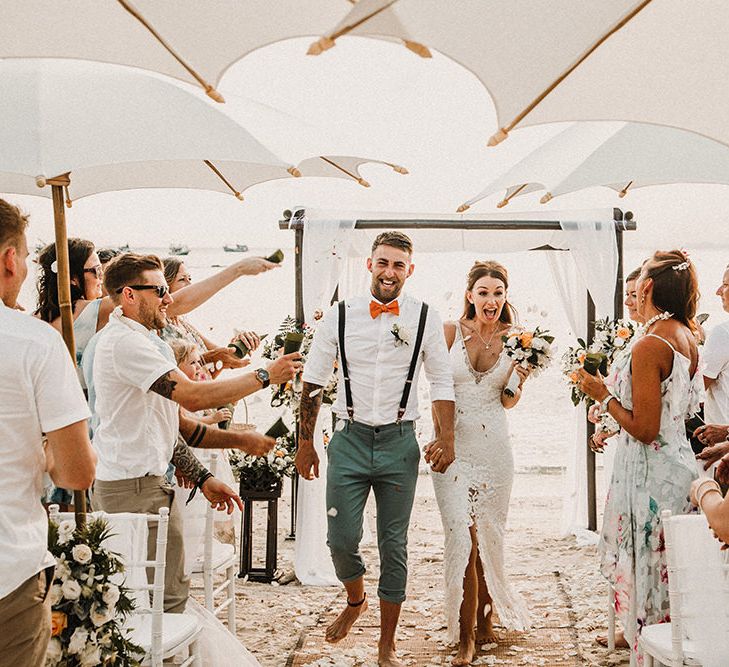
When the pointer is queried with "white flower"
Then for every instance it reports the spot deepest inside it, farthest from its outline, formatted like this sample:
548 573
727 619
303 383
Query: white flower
91 656
65 531
538 343
100 614
54 651
82 553
78 640
332 511
71 589
56 594
63 571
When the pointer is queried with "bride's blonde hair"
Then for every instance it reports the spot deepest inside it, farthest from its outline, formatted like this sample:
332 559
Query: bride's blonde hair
492 270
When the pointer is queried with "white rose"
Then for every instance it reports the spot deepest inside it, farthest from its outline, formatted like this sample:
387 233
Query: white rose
100 615
538 343
82 553
65 531
71 589
111 595
404 335
56 594
54 651
63 571
78 641
91 656
619 342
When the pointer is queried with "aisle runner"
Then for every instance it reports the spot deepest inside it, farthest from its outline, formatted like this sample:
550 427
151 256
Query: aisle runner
553 641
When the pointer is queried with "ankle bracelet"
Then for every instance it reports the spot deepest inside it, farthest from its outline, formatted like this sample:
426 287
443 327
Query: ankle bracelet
357 604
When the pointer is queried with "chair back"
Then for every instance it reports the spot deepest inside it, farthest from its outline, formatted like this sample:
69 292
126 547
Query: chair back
698 590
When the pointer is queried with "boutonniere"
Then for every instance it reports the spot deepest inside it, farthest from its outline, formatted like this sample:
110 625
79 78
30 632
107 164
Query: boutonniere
402 335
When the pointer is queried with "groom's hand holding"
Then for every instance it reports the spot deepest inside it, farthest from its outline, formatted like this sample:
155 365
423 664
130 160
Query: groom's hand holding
306 460
440 453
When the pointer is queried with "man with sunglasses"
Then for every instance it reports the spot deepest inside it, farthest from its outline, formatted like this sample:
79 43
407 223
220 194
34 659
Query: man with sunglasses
138 394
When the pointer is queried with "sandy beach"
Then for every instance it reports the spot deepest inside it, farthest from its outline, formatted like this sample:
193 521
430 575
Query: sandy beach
281 624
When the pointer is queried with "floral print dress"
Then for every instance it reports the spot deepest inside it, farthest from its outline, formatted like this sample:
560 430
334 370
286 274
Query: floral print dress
647 479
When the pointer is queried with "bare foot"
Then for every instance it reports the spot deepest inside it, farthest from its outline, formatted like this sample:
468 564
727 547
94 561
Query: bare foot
466 651
620 640
485 629
341 626
386 657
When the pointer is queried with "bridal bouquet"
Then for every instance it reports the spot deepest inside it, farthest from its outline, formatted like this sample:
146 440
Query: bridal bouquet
528 349
88 609
290 335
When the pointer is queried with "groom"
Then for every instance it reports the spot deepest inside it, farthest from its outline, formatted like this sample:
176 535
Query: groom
380 342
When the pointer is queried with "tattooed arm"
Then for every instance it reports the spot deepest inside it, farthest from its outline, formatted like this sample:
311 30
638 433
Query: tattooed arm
306 456
199 435
194 396
187 465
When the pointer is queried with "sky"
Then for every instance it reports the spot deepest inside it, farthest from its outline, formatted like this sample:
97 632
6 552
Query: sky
379 100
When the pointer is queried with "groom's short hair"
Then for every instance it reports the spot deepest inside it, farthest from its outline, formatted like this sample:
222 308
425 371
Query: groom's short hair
395 239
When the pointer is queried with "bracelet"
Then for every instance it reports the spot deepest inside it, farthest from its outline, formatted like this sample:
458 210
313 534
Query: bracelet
604 403
204 477
704 487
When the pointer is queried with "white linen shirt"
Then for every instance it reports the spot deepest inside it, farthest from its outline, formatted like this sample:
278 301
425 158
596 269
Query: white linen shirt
715 360
378 367
40 392
137 428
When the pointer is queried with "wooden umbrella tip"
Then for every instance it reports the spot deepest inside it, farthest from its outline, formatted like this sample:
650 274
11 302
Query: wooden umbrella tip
502 203
496 139
418 48
40 181
399 169
321 45
69 203
213 94
239 196
294 172
462 208
546 198
363 183
622 193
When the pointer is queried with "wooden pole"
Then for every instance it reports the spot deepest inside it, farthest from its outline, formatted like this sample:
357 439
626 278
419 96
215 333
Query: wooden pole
64 300
591 480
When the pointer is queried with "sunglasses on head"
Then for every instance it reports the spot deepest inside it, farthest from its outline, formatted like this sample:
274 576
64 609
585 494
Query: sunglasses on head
161 290
97 270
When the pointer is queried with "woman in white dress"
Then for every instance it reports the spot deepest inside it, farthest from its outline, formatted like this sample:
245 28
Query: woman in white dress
473 494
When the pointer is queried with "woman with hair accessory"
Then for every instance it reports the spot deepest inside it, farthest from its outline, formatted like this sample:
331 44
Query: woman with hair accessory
473 494
657 386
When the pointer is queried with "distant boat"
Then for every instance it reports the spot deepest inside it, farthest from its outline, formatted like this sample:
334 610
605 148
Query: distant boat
179 249
238 247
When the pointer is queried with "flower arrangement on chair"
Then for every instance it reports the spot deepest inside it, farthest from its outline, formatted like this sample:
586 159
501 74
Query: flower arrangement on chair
88 608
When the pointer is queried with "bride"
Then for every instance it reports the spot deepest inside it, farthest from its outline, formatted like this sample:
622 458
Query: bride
473 494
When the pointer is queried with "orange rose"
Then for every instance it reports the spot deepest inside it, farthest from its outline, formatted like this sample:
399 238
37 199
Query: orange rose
623 332
59 621
574 377
581 358
526 339
280 453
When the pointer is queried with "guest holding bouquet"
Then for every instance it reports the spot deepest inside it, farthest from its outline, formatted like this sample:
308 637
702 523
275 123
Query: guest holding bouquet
654 391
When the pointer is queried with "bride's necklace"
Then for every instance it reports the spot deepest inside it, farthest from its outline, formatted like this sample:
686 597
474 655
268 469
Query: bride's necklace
487 345
665 315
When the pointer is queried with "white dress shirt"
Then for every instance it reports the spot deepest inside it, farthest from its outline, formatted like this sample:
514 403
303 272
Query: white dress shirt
715 359
40 392
378 366
137 428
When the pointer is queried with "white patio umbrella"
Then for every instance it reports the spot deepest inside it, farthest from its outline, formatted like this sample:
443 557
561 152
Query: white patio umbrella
192 41
647 61
621 156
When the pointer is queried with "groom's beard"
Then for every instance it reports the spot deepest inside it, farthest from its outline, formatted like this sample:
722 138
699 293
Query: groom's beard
385 294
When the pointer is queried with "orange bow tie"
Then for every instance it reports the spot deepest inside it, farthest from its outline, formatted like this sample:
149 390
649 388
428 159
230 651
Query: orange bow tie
377 308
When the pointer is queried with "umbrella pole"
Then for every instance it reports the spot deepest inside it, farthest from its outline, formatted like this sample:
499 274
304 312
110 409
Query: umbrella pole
64 299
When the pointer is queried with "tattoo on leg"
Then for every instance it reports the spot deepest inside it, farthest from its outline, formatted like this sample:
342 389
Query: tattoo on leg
164 385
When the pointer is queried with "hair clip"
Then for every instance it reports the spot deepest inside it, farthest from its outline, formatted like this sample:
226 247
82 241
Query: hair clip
682 266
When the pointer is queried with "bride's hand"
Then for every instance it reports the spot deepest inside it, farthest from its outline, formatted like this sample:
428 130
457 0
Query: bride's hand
523 374
592 385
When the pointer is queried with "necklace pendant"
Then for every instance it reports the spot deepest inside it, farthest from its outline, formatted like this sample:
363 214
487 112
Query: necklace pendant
488 346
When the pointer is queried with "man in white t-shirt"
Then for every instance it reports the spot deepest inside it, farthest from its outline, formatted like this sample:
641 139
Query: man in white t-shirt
138 394
40 393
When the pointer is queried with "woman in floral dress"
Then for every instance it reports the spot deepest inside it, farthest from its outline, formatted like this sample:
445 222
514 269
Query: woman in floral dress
656 388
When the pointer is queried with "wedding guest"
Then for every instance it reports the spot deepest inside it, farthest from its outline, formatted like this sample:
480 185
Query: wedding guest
374 447
473 494
40 393
715 359
657 386
214 356
707 495
105 256
138 394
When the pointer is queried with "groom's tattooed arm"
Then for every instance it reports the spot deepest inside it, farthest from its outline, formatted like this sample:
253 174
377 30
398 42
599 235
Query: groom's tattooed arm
184 460
309 411
164 385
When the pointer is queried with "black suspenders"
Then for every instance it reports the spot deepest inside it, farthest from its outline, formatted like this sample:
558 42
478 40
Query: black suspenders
411 370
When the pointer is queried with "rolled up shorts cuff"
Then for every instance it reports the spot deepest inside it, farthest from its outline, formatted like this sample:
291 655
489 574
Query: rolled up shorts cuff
346 580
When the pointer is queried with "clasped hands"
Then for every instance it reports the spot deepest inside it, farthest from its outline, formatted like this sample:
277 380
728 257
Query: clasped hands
440 453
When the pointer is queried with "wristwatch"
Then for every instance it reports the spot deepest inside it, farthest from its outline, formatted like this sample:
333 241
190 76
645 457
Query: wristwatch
263 377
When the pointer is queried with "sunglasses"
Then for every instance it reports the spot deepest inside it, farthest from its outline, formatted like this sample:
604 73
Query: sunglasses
160 290
97 270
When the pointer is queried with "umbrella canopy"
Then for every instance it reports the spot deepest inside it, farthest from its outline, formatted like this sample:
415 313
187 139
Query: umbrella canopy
191 41
621 156
647 61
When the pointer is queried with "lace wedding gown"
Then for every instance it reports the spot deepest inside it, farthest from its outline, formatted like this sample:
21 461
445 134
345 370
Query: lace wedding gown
476 489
